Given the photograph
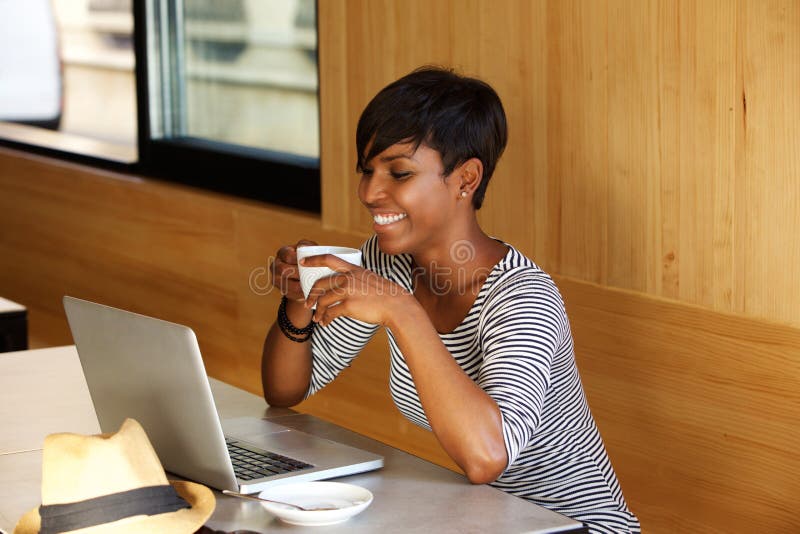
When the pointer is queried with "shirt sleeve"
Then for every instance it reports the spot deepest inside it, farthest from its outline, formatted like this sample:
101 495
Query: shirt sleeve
520 332
333 347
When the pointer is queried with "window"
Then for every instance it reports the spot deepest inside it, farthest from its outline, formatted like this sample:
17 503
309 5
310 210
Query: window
221 94
232 96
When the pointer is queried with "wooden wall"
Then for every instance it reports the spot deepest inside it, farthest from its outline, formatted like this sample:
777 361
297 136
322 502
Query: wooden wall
652 168
654 145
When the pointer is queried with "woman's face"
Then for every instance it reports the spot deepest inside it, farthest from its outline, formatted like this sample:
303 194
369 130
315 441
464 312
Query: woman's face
411 203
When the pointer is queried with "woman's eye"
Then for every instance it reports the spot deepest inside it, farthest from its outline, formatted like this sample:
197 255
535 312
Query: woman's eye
400 175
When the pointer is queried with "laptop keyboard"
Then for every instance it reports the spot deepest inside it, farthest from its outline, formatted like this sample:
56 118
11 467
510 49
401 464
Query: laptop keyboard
250 463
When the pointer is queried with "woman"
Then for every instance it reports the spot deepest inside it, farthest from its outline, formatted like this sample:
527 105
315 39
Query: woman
480 345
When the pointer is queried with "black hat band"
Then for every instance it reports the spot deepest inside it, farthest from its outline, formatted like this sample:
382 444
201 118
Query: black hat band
151 500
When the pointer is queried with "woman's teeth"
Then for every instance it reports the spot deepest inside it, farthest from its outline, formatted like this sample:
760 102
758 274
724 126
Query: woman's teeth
388 219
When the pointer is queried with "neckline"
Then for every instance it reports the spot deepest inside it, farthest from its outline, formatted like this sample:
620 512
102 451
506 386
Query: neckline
481 291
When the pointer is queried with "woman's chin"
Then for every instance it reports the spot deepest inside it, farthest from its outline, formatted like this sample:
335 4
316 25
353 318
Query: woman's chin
389 246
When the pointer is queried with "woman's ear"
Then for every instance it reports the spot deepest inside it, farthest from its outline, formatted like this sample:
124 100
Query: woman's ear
470 174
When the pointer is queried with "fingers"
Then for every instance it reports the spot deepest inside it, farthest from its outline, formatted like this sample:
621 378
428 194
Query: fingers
359 293
285 275
330 261
328 290
331 301
301 243
287 254
305 243
324 316
285 279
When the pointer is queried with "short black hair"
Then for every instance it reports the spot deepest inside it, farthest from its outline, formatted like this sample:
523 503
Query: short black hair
458 116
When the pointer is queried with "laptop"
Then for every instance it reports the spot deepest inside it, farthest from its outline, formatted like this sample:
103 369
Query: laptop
151 370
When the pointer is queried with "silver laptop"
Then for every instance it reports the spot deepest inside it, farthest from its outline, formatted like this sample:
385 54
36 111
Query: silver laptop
151 370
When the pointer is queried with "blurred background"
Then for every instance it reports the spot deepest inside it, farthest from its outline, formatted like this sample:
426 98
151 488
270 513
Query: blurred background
244 71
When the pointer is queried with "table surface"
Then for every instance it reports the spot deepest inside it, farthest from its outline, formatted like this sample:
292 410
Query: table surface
44 391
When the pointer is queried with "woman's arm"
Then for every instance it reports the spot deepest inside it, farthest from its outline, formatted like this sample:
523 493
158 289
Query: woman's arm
465 419
290 370
482 425
286 364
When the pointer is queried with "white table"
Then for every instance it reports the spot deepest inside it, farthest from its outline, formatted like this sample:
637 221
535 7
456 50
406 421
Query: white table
43 391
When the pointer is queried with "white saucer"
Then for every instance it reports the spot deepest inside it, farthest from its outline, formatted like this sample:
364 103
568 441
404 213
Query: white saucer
347 499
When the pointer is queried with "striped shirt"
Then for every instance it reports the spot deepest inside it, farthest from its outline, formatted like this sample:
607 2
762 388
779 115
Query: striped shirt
515 343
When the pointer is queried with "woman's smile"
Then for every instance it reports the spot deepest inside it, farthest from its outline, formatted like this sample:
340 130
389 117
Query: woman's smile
387 219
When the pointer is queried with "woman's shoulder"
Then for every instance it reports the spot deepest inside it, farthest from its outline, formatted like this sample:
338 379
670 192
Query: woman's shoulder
517 273
515 264
522 294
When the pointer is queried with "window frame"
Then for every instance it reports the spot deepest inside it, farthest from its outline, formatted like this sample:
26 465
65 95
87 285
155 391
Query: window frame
293 181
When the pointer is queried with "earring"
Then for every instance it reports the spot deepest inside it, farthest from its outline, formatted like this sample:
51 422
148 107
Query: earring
463 194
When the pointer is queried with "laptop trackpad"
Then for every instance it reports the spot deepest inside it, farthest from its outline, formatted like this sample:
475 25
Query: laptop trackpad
302 446
249 428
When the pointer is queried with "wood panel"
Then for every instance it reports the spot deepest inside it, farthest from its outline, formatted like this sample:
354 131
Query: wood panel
632 162
706 153
578 145
768 161
698 409
511 47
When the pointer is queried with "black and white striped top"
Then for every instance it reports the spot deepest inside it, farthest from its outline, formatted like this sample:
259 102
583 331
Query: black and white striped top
514 342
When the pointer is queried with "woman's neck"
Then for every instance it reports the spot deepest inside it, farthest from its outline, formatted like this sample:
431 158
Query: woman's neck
457 264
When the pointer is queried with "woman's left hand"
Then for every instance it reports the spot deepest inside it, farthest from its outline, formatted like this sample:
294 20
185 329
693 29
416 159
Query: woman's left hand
353 292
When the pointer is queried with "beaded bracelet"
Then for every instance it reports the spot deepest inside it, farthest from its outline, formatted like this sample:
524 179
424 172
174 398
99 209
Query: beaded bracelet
299 335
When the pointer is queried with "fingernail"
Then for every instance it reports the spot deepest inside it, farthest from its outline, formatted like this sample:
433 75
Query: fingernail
302 261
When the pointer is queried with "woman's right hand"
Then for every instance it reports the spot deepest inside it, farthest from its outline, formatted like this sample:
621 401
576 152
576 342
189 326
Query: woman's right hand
285 275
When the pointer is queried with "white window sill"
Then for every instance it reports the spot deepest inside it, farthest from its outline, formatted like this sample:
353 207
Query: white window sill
68 142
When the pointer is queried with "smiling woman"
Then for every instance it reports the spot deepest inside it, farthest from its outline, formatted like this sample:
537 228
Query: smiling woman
480 346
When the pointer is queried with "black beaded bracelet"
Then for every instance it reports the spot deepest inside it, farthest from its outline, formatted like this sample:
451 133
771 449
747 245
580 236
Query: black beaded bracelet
299 335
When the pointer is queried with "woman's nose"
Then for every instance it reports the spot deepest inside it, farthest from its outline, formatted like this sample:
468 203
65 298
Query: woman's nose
371 189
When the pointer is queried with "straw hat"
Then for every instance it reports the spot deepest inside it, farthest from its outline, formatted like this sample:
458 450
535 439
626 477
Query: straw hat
112 483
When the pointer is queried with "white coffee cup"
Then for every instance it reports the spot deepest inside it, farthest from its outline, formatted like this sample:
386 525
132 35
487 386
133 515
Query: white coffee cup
309 275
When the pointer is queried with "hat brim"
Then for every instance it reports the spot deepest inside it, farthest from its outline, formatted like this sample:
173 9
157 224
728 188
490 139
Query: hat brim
187 520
